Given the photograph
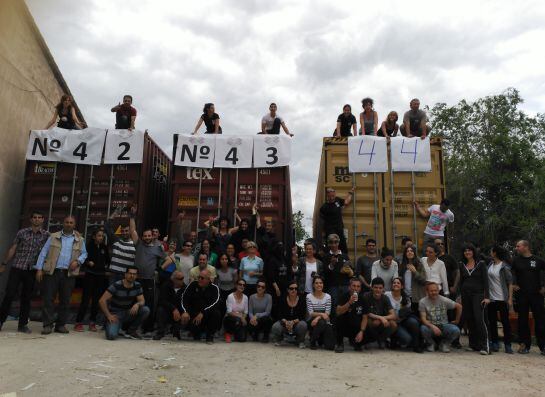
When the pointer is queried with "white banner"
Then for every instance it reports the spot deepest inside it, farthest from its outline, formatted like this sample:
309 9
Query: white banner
367 153
410 154
234 151
195 150
84 146
272 151
46 144
124 147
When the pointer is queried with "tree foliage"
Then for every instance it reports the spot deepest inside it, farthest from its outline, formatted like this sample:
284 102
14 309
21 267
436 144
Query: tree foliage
300 232
495 170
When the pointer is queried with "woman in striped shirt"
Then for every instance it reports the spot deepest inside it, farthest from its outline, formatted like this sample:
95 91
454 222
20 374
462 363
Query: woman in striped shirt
319 310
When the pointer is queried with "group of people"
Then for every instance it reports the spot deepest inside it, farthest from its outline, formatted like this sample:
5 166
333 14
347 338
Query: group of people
242 280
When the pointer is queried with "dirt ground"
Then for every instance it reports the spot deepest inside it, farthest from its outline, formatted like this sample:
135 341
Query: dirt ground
85 364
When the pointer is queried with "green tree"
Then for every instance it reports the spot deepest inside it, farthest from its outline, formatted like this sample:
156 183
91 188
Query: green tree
300 232
494 169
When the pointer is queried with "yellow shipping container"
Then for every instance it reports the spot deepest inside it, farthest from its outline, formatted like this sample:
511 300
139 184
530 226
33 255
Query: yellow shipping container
382 206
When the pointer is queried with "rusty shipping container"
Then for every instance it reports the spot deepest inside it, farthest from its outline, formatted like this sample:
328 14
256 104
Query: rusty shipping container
92 193
382 206
205 192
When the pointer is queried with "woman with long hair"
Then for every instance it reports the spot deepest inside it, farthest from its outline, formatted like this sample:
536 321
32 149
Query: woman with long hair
413 275
368 118
389 127
66 115
407 333
221 233
210 119
319 312
308 267
235 320
292 311
226 279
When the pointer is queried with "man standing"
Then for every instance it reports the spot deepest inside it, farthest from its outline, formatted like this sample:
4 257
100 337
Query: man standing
186 259
381 322
453 270
415 121
337 270
271 122
331 215
529 286
123 305
123 250
59 261
202 264
364 264
125 114
439 216
24 254
148 258
265 236
434 317
351 317
200 305
169 306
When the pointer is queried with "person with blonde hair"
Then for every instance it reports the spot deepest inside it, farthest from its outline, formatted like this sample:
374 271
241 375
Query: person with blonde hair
389 127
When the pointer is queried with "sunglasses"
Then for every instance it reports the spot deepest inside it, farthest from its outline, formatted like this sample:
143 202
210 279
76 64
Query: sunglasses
188 245
292 289
203 278
260 286
241 284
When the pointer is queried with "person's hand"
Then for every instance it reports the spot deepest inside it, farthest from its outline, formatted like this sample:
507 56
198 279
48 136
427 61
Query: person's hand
452 290
165 239
510 303
411 268
39 276
185 318
485 302
516 287
112 319
90 263
315 321
415 203
277 290
251 274
289 325
73 265
384 322
353 298
253 320
243 320
359 337
133 209
176 315
134 309
436 331
291 135
198 318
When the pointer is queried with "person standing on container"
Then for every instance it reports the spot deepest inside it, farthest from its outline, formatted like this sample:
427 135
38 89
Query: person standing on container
368 118
58 264
66 115
438 218
271 122
346 122
23 255
331 215
529 286
211 120
415 121
125 114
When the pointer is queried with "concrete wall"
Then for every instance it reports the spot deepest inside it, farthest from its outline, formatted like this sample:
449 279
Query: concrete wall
31 85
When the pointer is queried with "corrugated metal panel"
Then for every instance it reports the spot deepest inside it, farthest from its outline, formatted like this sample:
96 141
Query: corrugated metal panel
370 214
91 193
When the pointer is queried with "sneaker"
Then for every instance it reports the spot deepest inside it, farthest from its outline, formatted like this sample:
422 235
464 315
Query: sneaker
227 337
47 330
430 348
121 332
483 352
158 336
444 348
339 348
133 335
302 345
508 349
61 330
92 327
78 327
523 349
147 335
24 329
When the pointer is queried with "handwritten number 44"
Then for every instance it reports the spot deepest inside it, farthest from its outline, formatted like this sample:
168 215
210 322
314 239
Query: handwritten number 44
407 152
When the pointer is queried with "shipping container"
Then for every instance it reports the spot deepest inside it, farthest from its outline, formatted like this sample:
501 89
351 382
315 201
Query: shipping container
382 206
92 193
205 192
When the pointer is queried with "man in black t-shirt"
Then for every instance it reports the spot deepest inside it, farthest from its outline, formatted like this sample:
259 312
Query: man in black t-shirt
123 305
529 285
331 215
350 321
381 315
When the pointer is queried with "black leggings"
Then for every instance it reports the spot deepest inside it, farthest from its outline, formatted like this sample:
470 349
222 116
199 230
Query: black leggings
322 333
93 288
476 318
493 308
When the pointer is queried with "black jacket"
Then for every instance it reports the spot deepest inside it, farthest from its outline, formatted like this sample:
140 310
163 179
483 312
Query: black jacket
476 281
196 299
169 298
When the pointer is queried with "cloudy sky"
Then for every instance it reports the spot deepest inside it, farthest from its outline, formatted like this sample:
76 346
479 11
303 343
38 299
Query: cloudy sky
310 57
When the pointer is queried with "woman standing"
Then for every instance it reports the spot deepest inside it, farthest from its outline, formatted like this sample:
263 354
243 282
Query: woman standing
251 268
167 268
319 310
346 122
226 280
475 298
66 113
231 254
368 118
500 282
292 312
235 321
95 281
413 275
389 127
211 120
221 234
309 266
435 268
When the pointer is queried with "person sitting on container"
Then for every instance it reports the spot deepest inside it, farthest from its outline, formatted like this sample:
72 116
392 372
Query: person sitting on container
389 127
351 317
66 113
292 312
385 268
346 122
368 118
331 214
203 264
415 122
200 304
271 122
169 306
123 304
125 114
211 120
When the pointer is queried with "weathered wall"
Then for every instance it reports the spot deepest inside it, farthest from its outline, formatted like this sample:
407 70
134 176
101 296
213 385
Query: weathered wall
30 86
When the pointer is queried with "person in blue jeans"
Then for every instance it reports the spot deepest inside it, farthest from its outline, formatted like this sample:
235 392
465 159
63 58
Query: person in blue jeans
123 305
434 317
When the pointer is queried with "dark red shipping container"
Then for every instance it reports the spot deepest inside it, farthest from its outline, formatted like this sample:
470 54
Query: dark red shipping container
92 193
205 192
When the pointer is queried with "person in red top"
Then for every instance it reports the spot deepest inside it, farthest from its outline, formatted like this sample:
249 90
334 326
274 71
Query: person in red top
125 114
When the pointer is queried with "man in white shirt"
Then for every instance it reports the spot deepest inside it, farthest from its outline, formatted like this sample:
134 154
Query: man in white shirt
438 218
271 122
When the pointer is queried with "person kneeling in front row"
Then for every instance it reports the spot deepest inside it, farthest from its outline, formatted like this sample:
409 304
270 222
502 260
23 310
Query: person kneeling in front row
169 307
382 318
123 305
319 311
351 317
434 317
292 312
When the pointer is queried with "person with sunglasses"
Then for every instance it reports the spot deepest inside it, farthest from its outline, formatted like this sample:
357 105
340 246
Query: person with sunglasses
227 277
292 311
319 312
235 321
169 306
186 259
259 313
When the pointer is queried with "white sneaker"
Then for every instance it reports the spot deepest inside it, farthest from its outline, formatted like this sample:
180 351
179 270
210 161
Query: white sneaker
483 352
444 348
302 345
430 348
